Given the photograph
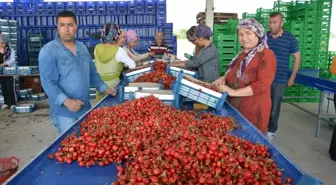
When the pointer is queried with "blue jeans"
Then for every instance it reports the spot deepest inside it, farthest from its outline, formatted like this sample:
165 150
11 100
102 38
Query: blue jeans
62 124
277 93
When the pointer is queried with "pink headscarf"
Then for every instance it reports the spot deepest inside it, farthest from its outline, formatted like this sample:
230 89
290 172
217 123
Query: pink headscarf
131 36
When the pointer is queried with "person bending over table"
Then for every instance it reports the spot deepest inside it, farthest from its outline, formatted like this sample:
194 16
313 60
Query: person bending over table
191 36
131 41
67 72
206 61
110 58
250 75
7 59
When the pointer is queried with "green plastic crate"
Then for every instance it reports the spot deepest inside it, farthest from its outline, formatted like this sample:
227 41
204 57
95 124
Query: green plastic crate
249 15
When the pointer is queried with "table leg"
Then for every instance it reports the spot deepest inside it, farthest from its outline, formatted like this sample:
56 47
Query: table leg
319 114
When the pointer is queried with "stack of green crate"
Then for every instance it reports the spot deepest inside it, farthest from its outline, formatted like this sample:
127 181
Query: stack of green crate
226 40
249 15
285 8
263 17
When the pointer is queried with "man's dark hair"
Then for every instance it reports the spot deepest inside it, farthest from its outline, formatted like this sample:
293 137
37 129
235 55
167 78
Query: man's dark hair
274 14
66 14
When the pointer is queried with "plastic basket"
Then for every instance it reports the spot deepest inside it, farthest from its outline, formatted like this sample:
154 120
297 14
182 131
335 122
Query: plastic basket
38 97
125 89
24 108
191 90
8 167
9 71
174 71
166 96
131 76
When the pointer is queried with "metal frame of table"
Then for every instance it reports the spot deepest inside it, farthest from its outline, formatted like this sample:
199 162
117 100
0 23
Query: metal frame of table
311 78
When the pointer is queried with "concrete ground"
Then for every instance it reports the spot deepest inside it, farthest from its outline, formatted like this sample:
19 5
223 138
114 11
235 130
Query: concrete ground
25 135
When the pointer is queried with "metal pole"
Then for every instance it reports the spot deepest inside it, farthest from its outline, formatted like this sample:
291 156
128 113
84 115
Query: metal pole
209 13
319 114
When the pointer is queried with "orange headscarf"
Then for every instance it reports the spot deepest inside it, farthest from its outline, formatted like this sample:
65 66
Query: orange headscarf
333 66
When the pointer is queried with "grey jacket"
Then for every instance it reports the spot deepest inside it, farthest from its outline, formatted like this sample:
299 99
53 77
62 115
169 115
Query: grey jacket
206 62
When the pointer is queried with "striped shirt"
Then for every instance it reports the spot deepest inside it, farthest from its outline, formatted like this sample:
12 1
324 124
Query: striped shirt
282 46
158 50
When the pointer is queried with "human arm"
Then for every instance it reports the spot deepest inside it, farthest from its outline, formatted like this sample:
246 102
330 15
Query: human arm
135 56
294 49
295 70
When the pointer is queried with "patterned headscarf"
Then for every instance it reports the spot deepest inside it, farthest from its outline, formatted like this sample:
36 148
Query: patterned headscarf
110 33
191 34
7 51
258 29
203 30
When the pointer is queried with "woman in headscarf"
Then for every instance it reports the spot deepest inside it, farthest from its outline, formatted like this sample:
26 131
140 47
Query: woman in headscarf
7 59
110 58
191 36
206 61
250 75
132 40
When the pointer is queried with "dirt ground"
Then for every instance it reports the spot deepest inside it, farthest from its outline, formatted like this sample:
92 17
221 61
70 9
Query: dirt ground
26 135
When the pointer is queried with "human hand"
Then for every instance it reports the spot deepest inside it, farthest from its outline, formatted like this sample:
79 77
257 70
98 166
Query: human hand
227 89
220 81
111 91
73 105
290 82
152 53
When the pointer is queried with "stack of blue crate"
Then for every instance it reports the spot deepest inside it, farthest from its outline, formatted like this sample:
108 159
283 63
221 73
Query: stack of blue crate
144 16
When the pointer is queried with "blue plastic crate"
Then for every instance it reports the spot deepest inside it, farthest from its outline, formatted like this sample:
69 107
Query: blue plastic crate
122 19
31 21
51 21
24 108
9 70
10 9
70 6
96 20
59 7
150 6
175 71
44 21
40 9
26 70
135 7
80 8
125 92
101 8
111 7
38 21
121 7
20 8
191 90
131 76
30 10
38 97
91 8
49 8
2 9
167 97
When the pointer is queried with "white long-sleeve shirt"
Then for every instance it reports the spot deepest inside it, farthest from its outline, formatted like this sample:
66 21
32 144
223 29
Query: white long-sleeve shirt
122 56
